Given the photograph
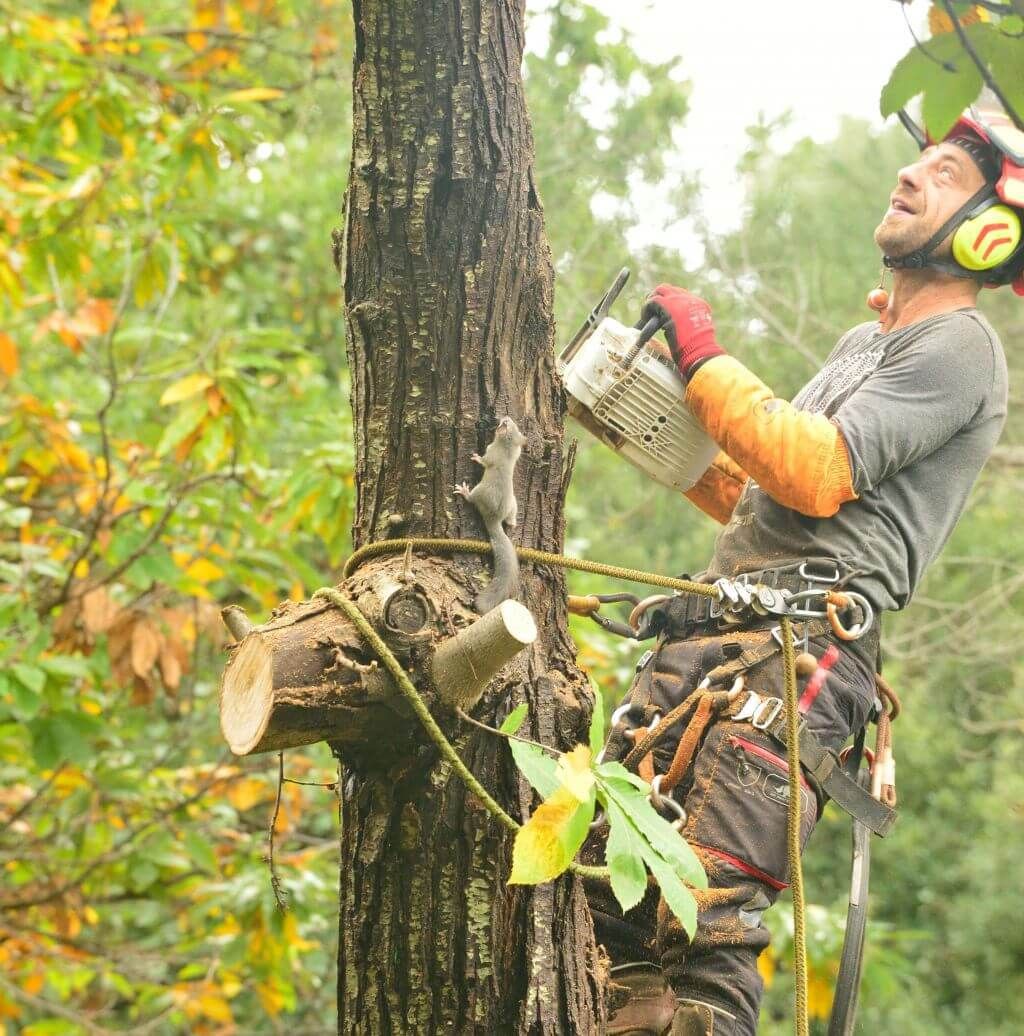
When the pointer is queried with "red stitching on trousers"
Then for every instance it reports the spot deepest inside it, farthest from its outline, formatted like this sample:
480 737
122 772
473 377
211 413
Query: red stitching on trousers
747 868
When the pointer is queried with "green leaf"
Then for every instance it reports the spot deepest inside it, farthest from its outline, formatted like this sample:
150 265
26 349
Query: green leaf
596 734
201 853
619 772
514 720
25 703
184 424
29 676
63 735
944 102
677 896
537 766
656 831
1006 59
624 856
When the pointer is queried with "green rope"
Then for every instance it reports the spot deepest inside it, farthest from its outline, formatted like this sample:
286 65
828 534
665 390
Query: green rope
405 685
796 876
541 557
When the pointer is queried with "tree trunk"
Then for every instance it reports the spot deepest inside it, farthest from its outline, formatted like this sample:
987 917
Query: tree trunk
448 283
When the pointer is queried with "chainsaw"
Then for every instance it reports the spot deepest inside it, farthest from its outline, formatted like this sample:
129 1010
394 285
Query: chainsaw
632 398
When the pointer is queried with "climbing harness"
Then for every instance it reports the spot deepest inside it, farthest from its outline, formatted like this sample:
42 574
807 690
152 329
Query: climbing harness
801 594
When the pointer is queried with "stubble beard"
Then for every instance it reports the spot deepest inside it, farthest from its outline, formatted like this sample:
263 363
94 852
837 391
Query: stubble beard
898 237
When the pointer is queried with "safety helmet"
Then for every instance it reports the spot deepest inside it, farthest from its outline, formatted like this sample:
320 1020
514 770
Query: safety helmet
988 229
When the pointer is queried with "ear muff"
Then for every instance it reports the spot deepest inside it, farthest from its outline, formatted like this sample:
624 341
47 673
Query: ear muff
987 240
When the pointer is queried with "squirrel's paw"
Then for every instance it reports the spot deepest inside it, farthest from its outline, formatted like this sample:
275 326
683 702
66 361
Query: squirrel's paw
463 490
479 460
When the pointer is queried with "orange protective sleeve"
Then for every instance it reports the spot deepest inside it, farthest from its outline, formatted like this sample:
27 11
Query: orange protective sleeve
799 459
718 489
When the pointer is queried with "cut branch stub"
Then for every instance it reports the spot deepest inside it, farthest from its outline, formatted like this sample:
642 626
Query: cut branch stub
464 664
298 680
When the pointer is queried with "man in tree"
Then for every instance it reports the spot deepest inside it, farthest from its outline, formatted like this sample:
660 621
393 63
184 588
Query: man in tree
856 485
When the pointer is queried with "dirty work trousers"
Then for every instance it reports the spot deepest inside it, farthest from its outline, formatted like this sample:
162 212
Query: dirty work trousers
736 799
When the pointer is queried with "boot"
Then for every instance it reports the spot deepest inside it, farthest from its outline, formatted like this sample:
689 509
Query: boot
647 1001
693 1018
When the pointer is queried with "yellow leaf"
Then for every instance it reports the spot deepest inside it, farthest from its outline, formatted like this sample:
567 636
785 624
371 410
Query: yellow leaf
8 355
538 853
203 571
90 915
34 983
186 388
291 934
215 1007
246 793
573 771
766 966
99 12
270 997
255 93
68 132
819 995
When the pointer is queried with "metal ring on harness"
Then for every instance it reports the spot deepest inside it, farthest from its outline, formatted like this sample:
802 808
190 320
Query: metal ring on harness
630 732
660 802
858 629
648 602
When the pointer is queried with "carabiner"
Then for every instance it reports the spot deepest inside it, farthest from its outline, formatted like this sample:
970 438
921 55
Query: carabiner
857 630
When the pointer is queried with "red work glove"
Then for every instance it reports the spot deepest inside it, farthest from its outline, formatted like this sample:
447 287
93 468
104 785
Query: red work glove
689 329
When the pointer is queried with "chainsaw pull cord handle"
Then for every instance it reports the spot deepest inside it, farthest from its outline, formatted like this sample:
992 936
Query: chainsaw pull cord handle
647 332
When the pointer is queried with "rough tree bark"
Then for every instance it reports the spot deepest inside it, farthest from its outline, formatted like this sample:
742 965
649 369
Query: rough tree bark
448 283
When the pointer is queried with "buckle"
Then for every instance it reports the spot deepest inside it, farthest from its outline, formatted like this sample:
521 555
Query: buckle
771 708
813 577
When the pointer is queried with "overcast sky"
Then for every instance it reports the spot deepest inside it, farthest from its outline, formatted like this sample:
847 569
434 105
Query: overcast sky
820 59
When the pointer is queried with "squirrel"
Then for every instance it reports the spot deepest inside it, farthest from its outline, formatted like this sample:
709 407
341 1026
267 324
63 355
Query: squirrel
495 500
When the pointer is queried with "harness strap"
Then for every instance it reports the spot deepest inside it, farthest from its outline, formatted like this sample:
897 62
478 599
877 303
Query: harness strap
756 653
823 767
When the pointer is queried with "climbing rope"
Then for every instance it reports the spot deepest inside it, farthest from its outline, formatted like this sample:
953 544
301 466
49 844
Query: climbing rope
796 874
394 667
541 557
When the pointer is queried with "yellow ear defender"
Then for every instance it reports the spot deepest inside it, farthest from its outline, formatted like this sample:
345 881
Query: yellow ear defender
987 240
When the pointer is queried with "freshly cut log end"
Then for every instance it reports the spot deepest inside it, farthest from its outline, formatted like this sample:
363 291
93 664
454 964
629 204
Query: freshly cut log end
465 664
247 696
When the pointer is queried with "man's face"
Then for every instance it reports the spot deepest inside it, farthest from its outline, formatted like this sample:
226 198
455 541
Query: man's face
927 194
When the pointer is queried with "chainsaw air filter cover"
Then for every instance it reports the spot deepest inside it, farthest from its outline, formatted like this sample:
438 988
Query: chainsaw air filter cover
633 400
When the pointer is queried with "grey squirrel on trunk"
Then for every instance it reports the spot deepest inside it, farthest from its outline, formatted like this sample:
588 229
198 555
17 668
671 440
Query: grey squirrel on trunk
495 500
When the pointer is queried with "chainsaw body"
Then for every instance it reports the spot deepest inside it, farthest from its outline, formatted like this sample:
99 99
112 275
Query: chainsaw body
633 399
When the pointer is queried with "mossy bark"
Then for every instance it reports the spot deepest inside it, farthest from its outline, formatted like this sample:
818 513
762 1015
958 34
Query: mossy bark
448 282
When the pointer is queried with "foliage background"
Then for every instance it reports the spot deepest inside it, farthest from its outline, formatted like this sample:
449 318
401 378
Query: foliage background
175 435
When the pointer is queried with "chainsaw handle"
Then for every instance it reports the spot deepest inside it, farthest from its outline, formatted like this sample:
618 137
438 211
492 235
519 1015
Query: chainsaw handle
647 332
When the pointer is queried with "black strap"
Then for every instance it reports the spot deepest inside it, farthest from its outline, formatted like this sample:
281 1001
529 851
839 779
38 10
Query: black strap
823 767
921 257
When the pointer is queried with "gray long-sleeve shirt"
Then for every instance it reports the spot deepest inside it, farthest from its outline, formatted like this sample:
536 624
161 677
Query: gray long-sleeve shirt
920 410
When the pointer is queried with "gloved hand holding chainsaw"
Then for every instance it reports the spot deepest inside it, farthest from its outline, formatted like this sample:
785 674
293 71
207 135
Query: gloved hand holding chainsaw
798 458
686 321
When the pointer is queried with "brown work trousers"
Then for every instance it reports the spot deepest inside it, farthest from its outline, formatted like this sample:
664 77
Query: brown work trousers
736 799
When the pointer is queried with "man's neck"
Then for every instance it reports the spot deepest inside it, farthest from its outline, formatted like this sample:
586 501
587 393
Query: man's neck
919 294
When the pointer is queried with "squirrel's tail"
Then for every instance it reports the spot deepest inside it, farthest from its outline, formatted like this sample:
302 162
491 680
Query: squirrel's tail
505 579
